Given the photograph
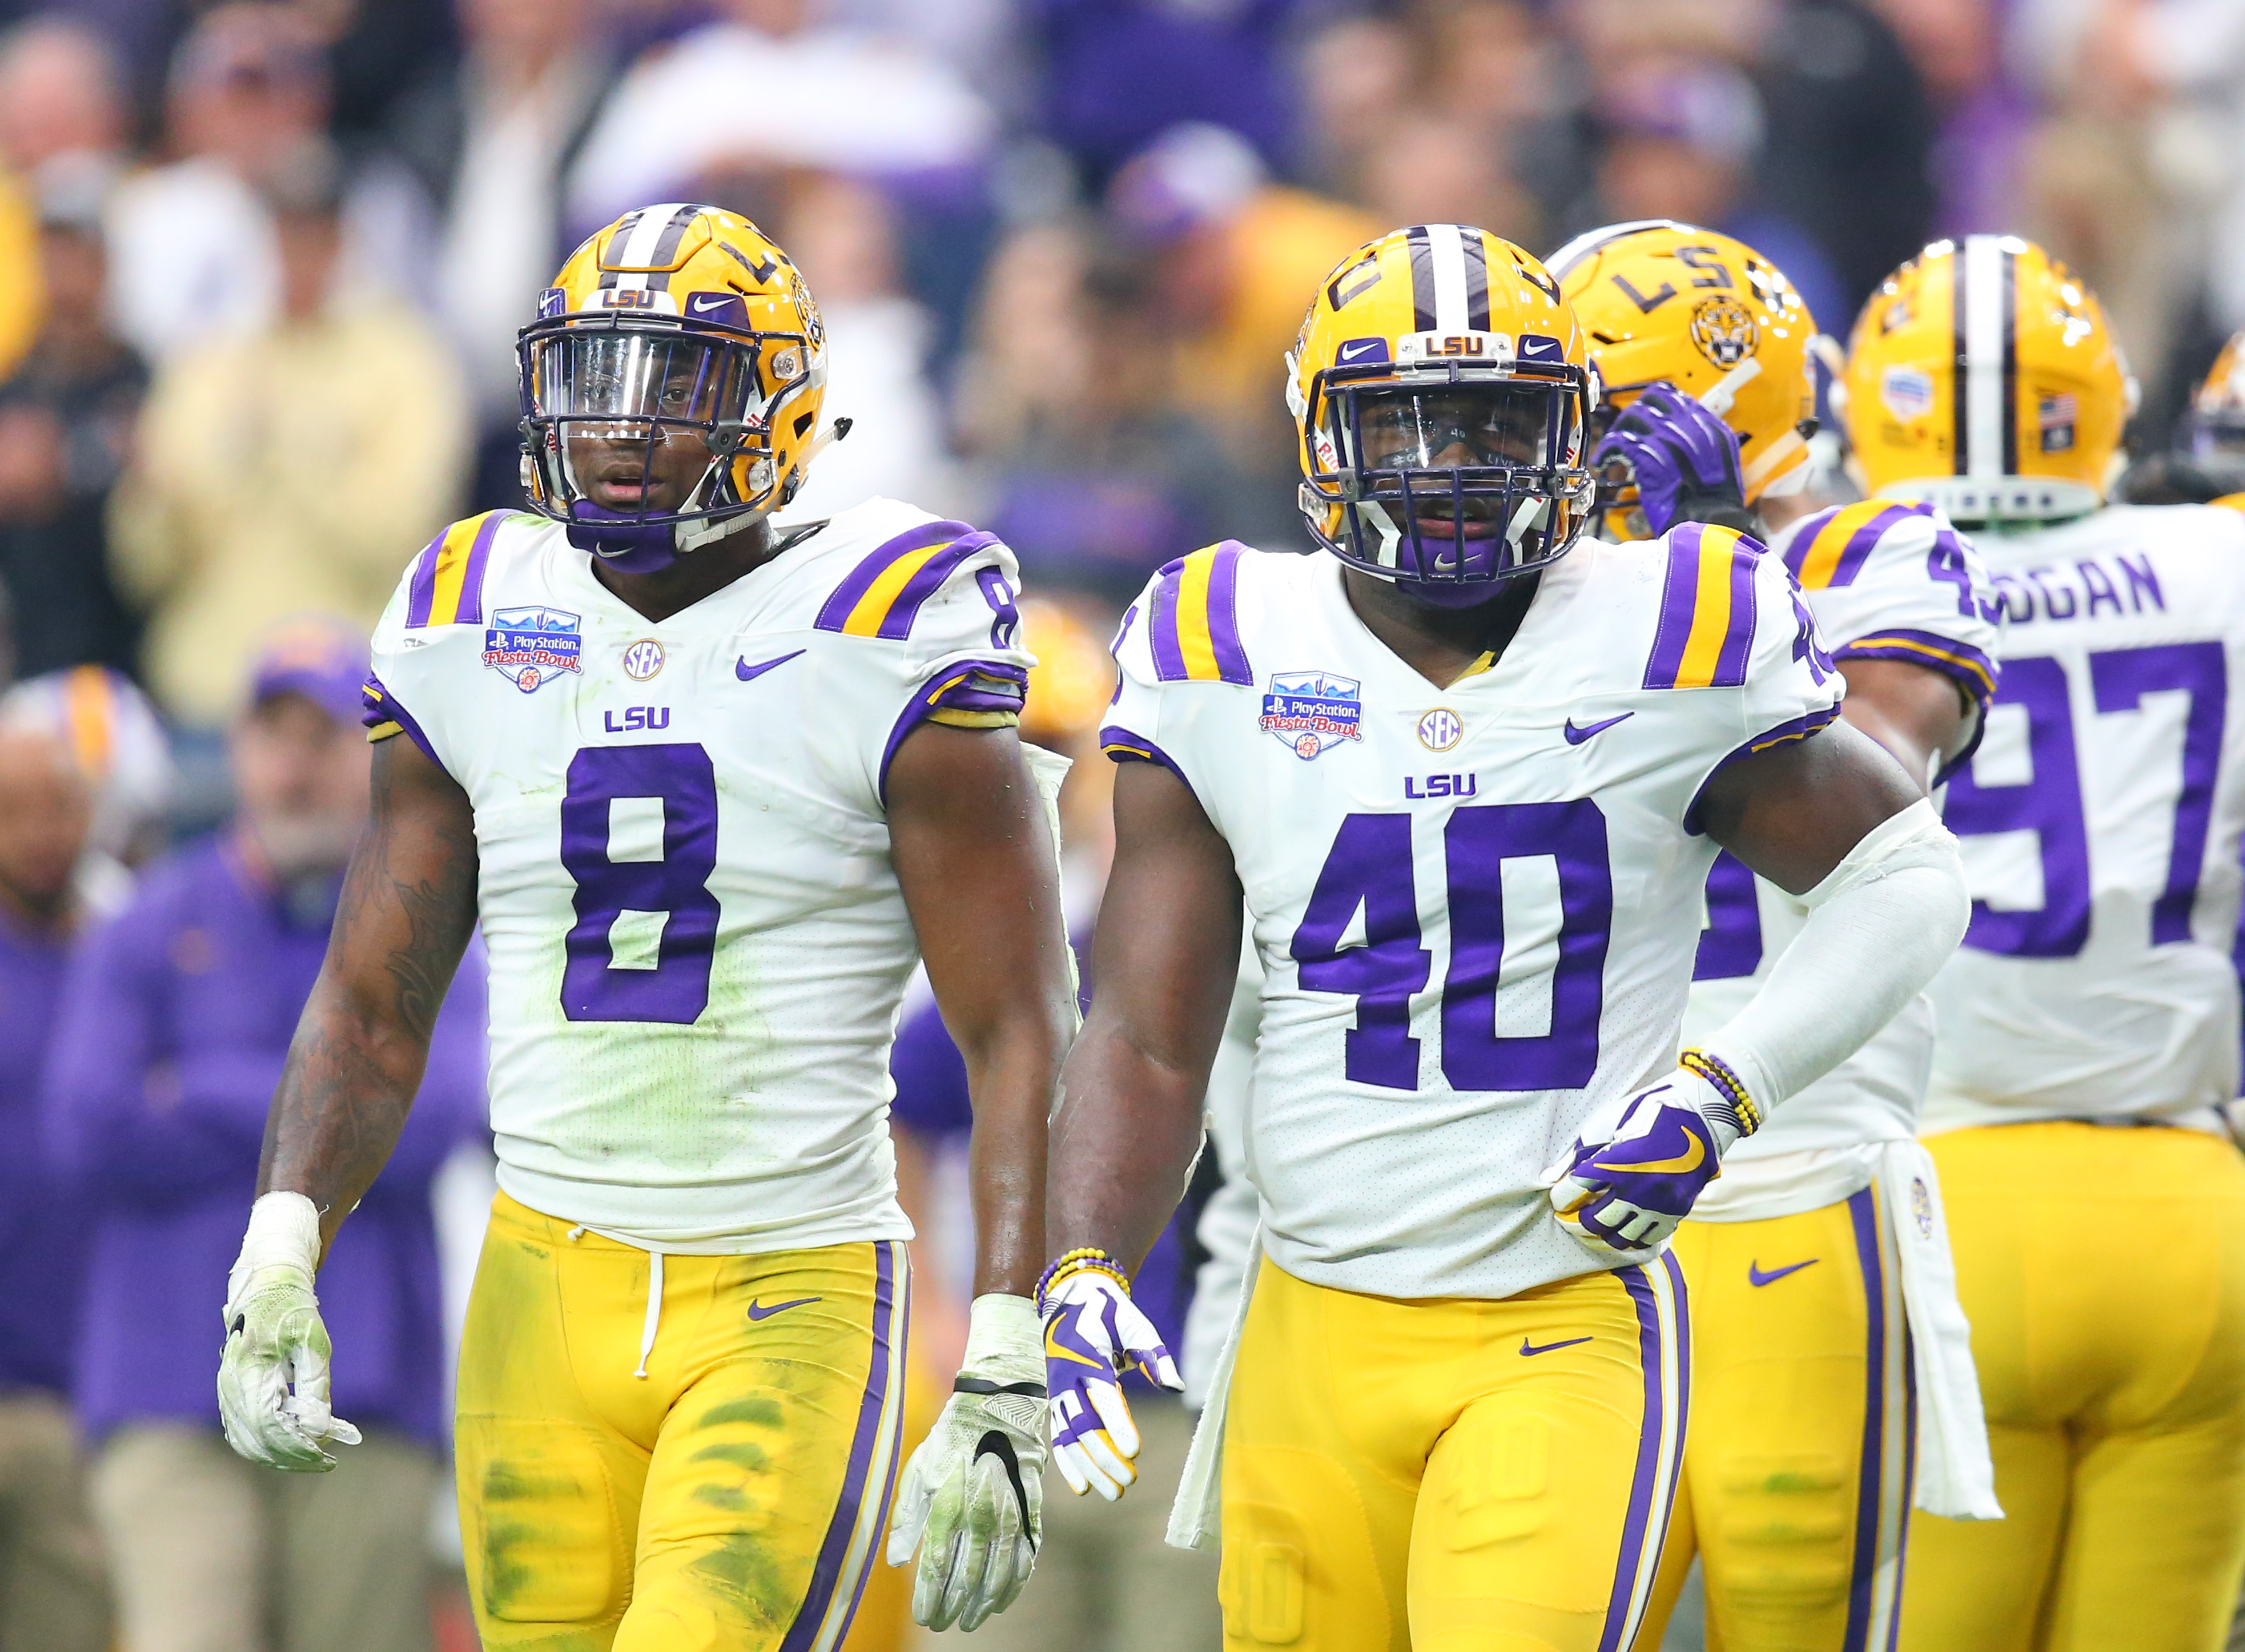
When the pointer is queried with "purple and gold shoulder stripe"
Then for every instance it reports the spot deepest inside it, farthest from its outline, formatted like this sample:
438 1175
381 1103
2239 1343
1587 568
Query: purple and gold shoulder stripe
447 587
886 591
1705 636
1831 546
1973 670
1193 626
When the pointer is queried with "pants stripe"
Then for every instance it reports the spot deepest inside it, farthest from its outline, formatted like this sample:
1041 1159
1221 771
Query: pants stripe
1890 1436
839 1572
884 1472
1664 1347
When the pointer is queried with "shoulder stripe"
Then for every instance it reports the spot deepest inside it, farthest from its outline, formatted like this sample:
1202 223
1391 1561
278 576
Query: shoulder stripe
1833 553
447 587
1194 628
886 591
1707 629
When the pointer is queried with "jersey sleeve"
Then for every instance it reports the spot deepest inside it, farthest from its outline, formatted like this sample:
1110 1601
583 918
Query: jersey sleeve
1183 631
440 592
1733 618
1892 581
945 599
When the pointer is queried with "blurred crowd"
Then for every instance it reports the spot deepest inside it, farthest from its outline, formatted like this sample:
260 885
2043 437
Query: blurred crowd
261 268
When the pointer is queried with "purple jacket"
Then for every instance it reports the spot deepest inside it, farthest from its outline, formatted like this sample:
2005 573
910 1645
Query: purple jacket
174 1023
42 1238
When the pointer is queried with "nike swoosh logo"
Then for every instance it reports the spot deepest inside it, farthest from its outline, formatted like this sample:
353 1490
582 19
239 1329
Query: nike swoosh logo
1575 736
1350 352
1756 1277
1528 1350
757 1312
748 672
1681 1164
703 303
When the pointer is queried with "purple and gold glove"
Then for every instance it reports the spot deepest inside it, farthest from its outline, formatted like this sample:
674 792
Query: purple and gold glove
1684 459
1094 1333
1639 1163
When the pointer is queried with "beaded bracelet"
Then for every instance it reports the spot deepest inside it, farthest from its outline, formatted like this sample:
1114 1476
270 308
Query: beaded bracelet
1728 1085
1068 1261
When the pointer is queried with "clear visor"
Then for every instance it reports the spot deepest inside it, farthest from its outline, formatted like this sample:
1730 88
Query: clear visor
1468 426
625 374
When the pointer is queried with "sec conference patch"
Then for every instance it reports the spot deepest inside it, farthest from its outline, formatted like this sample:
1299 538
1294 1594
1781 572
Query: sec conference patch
1310 712
533 646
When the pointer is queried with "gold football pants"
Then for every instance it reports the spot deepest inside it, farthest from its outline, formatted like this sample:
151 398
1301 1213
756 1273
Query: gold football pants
1452 1475
2103 1269
725 1487
1796 1484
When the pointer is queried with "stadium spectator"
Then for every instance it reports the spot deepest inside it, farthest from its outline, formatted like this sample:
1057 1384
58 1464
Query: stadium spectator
51 1592
830 97
490 136
841 235
1237 251
60 94
195 253
66 417
173 1025
1100 477
293 470
111 730
1355 73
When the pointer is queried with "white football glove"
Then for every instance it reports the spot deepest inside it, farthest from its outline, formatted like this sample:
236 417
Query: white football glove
972 1499
273 1338
1639 1163
1094 1333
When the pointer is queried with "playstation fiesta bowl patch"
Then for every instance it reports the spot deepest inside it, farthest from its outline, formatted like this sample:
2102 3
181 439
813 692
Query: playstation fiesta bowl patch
1311 712
533 646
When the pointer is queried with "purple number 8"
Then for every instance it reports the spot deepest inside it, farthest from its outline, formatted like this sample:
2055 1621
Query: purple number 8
677 989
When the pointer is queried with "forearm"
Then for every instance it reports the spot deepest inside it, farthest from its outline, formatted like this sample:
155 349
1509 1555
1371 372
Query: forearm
1879 928
1123 1145
1012 1085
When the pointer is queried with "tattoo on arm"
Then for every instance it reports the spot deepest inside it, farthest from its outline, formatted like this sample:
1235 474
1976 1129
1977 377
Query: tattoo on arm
408 907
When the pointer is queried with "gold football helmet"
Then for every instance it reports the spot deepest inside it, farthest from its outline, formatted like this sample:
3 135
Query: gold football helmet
1665 301
2215 426
1441 395
1983 377
685 329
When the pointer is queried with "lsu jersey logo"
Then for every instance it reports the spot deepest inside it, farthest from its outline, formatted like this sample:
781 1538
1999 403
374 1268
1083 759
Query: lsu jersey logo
1311 712
533 646
1725 331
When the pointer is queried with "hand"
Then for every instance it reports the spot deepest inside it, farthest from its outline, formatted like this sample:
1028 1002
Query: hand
972 1499
1639 1164
1678 452
1094 1333
273 1339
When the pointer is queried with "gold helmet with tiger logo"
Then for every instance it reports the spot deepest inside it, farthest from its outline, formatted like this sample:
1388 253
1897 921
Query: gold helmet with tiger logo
1983 378
679 346
1441 395
1666 303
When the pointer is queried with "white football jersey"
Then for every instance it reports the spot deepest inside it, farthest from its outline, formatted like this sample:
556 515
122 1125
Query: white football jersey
2099 821
698 945
1476 906
1886 581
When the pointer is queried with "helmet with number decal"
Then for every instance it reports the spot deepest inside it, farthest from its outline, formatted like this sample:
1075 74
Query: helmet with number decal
1666 301
671 383
1984 378
1440 396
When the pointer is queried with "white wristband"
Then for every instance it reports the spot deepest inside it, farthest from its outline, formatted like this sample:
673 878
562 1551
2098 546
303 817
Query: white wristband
1005 1340
284 1231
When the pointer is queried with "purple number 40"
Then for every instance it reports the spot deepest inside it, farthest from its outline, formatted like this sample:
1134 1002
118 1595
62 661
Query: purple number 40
1370 869
677 990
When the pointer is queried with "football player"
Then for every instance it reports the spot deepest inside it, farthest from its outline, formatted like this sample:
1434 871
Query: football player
2206 465
709 787
1805 1319
2085 1034
1469 783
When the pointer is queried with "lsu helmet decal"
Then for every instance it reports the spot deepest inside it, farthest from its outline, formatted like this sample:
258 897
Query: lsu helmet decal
1983 377
1441 398
1662 300
679 346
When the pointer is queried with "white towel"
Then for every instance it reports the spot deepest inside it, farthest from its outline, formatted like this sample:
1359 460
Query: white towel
1956 1477
1195 1516
1048 769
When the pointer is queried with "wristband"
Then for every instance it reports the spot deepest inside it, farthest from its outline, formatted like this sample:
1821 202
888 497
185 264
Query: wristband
1745 1115
1071 1262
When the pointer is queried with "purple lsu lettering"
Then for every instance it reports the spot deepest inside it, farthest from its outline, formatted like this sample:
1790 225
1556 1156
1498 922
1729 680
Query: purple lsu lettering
1441 786
636 718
